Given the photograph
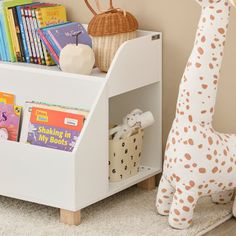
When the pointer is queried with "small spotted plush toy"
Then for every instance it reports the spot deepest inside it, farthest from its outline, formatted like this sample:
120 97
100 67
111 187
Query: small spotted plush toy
199 161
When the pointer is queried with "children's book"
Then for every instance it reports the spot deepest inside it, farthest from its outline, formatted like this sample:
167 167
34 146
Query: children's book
24 32
18 33
48 46
6 5
31 38
2 50
54 129
9 122
7 98
61 35
47 16
34 27
3 33
14 38
28 109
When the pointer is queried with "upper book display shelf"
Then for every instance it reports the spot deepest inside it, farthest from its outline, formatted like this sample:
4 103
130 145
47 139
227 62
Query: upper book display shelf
135 65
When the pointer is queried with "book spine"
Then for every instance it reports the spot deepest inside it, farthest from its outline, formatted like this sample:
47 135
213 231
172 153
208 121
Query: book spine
18 33
31 40
54 42
35 22
35 43
3 31
11 26
25 30
45 32
1 47
9 45
3 54
22 33
48 46
48 58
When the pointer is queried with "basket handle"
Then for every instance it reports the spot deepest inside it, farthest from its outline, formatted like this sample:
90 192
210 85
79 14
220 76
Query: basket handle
98 6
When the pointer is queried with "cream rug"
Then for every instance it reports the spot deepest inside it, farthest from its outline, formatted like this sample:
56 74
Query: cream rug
130 213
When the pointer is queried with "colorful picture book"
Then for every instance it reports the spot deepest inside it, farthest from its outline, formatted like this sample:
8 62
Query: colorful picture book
54 129
19 21
28 110
7 98
44 124
10 116
56 37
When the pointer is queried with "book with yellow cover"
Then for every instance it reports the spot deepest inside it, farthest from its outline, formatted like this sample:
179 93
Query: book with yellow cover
12 28
47 16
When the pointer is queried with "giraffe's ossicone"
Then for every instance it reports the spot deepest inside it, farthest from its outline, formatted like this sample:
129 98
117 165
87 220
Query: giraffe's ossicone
198 160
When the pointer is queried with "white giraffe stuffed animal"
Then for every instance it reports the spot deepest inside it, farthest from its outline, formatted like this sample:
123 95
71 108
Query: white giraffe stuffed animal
198 160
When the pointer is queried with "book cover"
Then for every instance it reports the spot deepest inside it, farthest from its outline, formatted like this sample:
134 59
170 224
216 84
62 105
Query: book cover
54 129
61 35
28 109
7 98
47 16
9 122
6 5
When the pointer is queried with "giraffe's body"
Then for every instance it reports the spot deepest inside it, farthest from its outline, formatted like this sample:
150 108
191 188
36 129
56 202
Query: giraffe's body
198 160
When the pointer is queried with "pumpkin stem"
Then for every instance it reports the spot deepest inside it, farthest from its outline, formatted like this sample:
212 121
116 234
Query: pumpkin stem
77 34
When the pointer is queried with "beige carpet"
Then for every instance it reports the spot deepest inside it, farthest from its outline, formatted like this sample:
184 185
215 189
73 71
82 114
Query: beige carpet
130 213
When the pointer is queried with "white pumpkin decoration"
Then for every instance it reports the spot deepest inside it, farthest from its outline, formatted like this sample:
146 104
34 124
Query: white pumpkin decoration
77 58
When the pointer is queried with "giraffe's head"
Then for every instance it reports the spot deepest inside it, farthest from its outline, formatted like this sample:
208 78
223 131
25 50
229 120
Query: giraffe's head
209 2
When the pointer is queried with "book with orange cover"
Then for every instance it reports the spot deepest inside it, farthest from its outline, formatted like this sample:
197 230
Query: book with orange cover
7 98
54 129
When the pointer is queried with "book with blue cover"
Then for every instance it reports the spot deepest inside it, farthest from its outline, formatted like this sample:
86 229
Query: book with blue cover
2 53
5 53
61 35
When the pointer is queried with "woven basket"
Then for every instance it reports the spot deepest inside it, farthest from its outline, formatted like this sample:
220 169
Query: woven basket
125 157
110 29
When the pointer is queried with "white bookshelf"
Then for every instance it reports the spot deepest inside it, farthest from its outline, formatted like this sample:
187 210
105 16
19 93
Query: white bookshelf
73 181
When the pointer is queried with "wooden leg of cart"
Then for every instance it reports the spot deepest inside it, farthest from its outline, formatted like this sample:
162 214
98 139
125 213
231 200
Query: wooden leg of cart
148 184
70 217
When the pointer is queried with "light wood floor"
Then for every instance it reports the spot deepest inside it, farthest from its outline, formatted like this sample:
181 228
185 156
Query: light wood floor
226 229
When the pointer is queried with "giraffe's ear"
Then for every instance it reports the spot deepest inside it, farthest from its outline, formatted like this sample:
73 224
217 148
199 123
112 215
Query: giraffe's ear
233 2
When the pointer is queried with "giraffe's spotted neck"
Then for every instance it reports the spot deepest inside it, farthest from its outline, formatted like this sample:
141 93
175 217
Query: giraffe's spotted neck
198 87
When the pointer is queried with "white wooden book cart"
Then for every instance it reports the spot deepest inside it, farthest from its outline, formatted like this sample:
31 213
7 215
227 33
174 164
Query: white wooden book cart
73 181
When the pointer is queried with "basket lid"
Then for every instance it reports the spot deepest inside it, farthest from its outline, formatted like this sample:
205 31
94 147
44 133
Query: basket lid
111 22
